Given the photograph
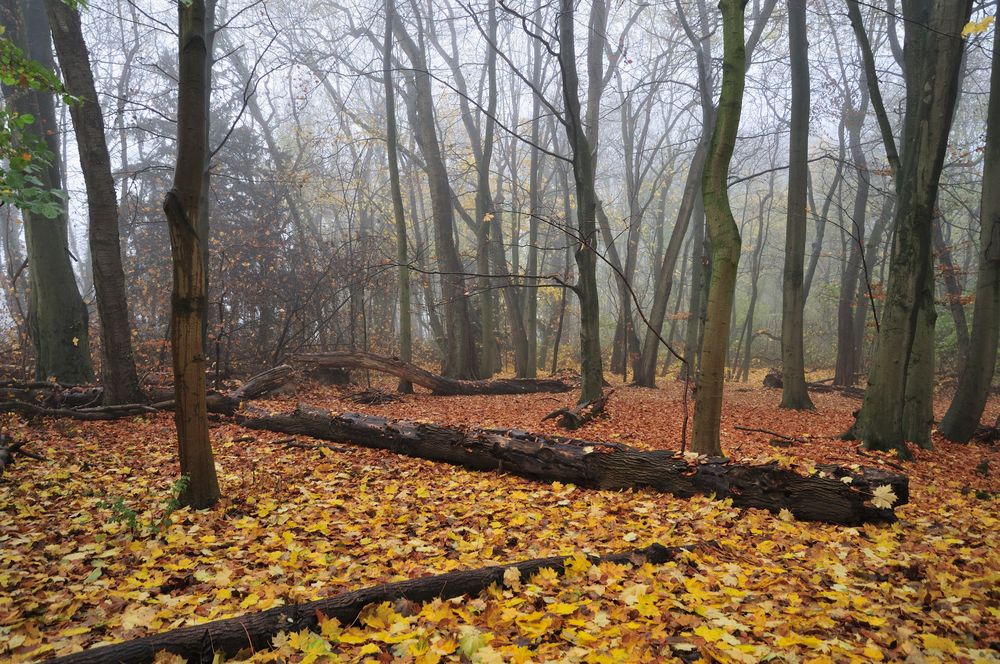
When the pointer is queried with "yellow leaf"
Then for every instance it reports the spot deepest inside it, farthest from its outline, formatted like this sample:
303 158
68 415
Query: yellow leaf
250 600
710 634
977 27
562 608
944 644
370 649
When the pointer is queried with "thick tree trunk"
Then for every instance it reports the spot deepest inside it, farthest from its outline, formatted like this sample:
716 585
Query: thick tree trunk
203 643
57 315
723 234
441 385
189 298
794 394
602 465
933 55
962 418
118 374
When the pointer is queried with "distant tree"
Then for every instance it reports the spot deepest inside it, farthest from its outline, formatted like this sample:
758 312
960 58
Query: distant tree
723 234
118 373
189 298
399 216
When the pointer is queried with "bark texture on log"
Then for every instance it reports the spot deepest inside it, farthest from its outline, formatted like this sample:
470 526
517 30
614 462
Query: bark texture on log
577 416
602 465
433 382
200 643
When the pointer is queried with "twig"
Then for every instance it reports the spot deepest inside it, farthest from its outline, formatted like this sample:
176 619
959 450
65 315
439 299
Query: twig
772 433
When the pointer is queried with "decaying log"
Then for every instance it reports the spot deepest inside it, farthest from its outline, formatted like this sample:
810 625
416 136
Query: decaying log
433 382
577 416
602 465
263 383
218 403
774 380
201 643
10 448
51 395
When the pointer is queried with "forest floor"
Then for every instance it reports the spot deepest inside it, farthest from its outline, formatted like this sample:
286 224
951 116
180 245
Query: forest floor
300 524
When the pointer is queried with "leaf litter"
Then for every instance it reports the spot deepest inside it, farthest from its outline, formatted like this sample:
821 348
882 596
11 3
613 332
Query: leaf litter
300 524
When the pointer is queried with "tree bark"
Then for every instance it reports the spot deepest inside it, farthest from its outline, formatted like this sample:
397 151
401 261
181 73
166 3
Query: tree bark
190 281
202 643
602 465
441 385
723 234
973 390
591 372
118 373
460 359
794 394
933 55
399 216
57 315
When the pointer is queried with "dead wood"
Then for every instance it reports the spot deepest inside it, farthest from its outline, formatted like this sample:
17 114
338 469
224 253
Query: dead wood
10 448
201 643
773 380
575 417
440 385
602 465
217 403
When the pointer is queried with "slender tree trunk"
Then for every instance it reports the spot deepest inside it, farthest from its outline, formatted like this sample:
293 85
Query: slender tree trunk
953 291
794 394
118 374
933 51
848 362
592 375
405 333
57 315
646 374
460 359
723 234
962 418
189 299
700 273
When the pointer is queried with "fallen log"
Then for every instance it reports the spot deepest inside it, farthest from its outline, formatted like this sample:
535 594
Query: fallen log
437 384
577 416
218 403
10 448
774 380
603 465
202 643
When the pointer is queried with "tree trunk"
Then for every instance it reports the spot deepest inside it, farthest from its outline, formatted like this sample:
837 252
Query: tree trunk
57 315
794 394
723 234
438 384
953 291
962 418
189 298
118 374
645 375
460 359
602 465
399 216
223 639
591 372
933 55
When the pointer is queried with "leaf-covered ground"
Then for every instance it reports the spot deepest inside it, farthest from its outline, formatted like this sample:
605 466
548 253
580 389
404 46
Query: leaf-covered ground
300 524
